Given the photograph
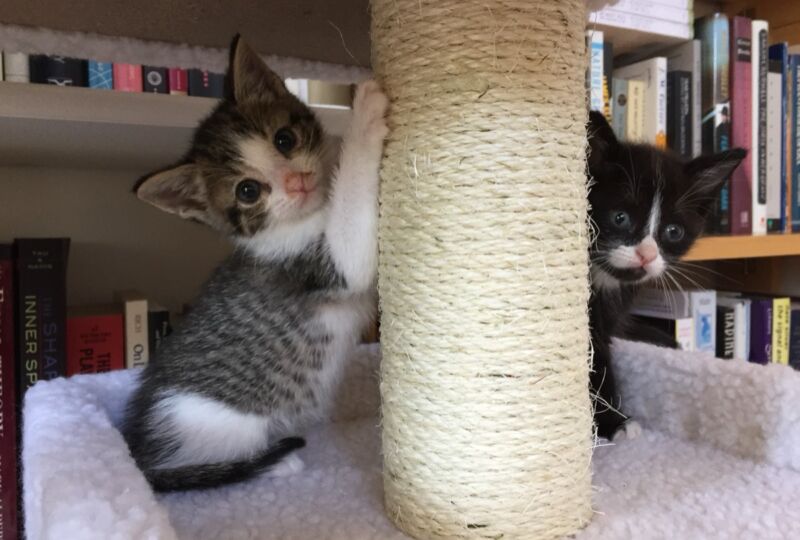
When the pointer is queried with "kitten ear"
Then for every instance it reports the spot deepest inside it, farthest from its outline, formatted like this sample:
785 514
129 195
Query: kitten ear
249 77
708 174
602 140
177 190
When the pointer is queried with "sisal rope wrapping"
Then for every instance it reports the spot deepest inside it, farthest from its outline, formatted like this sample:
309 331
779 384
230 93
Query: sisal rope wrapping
483 267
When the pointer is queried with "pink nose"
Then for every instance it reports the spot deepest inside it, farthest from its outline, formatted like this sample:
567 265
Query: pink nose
647 252
298 182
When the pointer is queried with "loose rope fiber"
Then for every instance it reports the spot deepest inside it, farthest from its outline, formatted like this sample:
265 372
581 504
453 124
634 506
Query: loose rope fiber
483 267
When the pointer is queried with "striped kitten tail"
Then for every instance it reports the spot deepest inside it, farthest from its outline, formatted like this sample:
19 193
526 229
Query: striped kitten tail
212 475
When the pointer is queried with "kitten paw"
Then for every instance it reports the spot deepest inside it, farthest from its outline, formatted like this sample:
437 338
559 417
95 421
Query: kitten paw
631 430
288 466
369 114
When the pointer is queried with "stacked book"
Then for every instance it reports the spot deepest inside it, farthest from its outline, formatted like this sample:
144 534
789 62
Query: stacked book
671 18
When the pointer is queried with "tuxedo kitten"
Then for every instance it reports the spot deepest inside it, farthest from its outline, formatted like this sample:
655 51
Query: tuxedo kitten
648 207
260 352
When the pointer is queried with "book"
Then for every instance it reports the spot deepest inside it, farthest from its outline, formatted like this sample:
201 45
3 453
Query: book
758 112
681 330
794 336
781 308
653 72
206 84
654 10
58 70
793 144
178 82
594 40
16 67
700 306
134 308
741 309
741 190
641 23
128 77
619 115
101 75
688 57
95 340
679 113
158 326
714 34
156 80
776 138
726 332
41 309
608 68
634 131
760 330
8 408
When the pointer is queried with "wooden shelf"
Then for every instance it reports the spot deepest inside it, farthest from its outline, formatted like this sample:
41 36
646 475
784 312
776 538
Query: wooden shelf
714 248
44 125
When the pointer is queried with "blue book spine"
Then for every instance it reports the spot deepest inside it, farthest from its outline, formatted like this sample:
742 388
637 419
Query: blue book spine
780 53
100 75
794 74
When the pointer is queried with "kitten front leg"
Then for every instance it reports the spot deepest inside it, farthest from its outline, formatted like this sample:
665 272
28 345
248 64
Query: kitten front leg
607 415
352 231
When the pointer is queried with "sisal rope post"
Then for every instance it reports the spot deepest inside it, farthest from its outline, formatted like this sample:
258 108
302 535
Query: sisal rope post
483 267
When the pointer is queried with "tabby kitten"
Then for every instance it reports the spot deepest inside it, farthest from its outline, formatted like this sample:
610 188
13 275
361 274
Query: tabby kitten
648 207
260 352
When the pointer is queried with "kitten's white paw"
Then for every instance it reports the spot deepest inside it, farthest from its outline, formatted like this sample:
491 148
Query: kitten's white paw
631 430
369 113
288 466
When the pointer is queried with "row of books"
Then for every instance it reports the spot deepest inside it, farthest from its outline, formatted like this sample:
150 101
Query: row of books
41 339
730 325
64 71
728 88
672 18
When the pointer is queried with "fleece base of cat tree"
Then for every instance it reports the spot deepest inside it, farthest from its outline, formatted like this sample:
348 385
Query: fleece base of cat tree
719 457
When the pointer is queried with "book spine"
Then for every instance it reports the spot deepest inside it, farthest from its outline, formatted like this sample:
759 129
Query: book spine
178 82
8 410
697 98
128 77
156 80
635 128
158 328
775 144
726 332
95 344
741 125
659 131
794 209
608 68
679 105
780 330
641 23
704 314
57 70
761 331
619 118
101 75
714 33
794 338
684 334
595 39
16 68
136 339
207 84
742 346
758 76
653 10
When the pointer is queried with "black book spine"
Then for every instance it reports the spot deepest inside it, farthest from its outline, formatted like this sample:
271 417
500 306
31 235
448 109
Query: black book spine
679 112
158 328
41 309
726 332
58 70
206 83
794 338
155 79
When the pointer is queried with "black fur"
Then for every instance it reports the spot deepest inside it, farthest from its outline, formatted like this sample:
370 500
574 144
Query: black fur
627 177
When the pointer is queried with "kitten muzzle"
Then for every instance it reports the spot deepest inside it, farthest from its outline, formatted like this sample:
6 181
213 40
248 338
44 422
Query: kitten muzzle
299 183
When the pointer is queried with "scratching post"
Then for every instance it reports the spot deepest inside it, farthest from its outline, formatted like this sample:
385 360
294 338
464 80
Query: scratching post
483 267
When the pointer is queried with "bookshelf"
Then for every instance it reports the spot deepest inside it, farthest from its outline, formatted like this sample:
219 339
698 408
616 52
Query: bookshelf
45 125
714 248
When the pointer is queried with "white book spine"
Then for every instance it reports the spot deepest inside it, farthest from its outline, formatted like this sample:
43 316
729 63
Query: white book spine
704 313
652 9
642 23
684 333
759 64
136 344
15 67
595 39
657 130
774 145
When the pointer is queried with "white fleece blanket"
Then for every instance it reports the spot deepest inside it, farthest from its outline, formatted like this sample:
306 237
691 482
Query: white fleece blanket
719 458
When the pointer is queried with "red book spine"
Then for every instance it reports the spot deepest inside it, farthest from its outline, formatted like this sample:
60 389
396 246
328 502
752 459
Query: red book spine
8 420
128 77
178 82
95 343
741 125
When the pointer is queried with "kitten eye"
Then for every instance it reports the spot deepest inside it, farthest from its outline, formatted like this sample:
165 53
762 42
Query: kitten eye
248 191
621 219
673 233
285 140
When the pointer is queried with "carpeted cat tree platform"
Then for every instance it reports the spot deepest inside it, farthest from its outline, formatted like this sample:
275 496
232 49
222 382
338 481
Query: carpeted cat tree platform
719 457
